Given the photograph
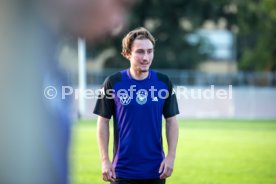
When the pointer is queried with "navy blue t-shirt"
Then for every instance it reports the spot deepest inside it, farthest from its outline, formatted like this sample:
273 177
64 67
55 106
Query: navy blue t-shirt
137 107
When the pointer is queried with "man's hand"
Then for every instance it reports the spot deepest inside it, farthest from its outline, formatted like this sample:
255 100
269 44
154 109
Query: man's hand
167 167
108 171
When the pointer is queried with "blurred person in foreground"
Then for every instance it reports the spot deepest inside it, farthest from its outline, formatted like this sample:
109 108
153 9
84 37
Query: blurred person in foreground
35 129
136 100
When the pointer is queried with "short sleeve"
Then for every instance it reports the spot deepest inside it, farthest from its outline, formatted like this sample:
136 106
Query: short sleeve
105 103
170 108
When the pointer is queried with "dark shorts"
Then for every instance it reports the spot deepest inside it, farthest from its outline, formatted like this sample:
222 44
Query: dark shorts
134 181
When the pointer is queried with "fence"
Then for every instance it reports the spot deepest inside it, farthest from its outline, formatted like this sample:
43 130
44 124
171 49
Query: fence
196 78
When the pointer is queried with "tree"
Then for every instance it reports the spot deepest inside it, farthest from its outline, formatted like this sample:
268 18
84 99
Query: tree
257 49
171 20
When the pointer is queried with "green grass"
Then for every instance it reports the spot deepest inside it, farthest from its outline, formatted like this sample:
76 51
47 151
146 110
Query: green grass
209 152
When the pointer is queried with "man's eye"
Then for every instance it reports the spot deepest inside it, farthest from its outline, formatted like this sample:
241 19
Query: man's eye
140 51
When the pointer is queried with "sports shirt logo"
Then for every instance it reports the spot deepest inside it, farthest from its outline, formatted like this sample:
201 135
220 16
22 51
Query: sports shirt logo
141 97
124 99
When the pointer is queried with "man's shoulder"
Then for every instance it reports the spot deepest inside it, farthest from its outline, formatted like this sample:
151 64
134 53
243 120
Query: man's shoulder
162 77
115 77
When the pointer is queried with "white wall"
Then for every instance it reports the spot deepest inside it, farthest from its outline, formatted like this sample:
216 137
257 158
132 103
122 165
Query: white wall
245 103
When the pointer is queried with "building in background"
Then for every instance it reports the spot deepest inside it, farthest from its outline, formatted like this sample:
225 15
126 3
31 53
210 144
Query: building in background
219 45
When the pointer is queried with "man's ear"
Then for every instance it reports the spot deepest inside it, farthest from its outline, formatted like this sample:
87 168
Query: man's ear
128 55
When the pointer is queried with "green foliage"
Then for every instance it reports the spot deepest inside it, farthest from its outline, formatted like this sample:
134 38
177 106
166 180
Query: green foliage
222 152
165 20
170 21
257 49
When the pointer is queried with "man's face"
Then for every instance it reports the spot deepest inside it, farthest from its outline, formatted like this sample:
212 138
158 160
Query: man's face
141 55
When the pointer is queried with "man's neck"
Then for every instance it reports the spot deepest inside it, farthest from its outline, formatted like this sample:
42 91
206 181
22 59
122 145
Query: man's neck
137 74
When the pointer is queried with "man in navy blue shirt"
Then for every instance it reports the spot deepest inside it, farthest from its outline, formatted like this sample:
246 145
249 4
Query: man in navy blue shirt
137 98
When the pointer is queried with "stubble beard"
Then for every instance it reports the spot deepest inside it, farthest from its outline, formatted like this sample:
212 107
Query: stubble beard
139 70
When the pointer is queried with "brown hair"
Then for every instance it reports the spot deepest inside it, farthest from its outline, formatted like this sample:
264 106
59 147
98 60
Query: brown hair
138 33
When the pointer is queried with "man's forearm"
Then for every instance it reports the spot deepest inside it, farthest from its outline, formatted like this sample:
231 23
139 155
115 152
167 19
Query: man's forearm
103 137
172 135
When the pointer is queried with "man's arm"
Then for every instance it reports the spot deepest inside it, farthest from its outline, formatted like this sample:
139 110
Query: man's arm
172 137
108 171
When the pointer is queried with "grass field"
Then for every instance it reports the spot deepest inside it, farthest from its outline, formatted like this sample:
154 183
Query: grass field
209 152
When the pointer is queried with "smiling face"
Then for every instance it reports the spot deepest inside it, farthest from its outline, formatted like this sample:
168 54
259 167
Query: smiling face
141 55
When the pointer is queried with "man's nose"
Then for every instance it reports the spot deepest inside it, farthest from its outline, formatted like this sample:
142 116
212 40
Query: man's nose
146 57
